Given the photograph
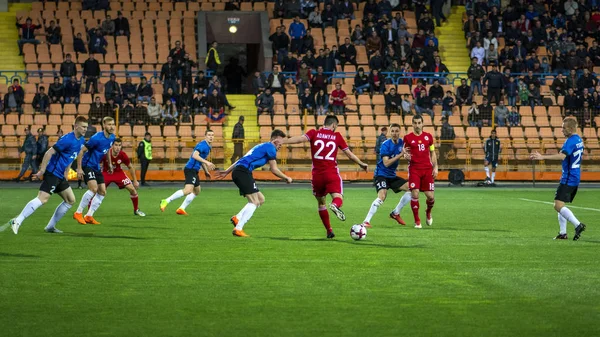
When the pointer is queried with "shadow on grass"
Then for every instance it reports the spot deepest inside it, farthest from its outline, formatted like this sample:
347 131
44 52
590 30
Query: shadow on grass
19 255
99 236
354 243
140 227
470 230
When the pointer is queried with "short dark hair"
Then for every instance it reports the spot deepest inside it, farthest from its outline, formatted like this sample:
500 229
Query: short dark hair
80 119
395 125
277 133
207 131
417 116
330 119
118 140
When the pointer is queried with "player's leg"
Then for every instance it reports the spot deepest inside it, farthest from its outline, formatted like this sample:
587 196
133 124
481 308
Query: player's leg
566 194
414 183
336 205
188 200
381 195
191 180
97 201
494 165
428 187
404 200
133 194
562 224
43 196
255 200
486 168
87 197
324 215
62 209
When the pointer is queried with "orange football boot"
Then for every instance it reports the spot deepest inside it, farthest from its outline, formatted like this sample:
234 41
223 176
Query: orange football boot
239 233
91 220
181 211
79 218
234 220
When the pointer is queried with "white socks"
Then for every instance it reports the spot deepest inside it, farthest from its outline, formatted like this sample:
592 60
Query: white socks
567 214
403 201
562 222
95 204
493 176
60 211
244 215
28 210
374 206
487 171
175 196
85 201
188 200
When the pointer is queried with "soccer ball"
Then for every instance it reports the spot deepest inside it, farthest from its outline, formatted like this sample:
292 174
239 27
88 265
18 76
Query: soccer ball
358 232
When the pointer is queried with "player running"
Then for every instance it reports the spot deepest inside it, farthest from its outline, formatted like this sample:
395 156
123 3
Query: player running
326 179
192 182
422 168
117 158
385 177
570 154
88 168
242 169
54 171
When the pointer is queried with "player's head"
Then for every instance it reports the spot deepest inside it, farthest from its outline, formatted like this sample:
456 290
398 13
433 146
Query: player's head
108 124
331 122
209 135
493 134
395 131
277 137
569 126
80 126
417 123
117 146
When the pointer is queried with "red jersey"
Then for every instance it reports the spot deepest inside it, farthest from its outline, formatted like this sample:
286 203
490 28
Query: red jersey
420 147
324 145
117 160
338 94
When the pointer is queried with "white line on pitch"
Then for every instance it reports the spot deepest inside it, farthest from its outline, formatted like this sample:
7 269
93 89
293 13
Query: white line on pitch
570 206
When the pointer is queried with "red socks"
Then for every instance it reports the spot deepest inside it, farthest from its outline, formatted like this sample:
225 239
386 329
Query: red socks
414 205
134 200
337 202
429 206
324 214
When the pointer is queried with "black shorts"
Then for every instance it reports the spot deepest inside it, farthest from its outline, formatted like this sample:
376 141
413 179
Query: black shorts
191 177
244 180
52 184
565 193
383 183
493 162
91 174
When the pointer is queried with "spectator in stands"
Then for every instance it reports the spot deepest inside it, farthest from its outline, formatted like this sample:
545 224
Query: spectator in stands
129 90
373 44
338 100
307 101
446 137
265 103
53 34
535 97
319 80
97 42
215 83
485 112
474 116
177 53
419 40
170 95
30 149
79 45
436 93
491 55
586 81
558 86
376 61
111 108
303 77
361 81
13 100
27 33
329 16
393 102
297 31
345 10
169 113
200 82
108 26
406 105
420 87
144 90
425 23
292 8
121 25
72 91
91 72
186 67
280 42
279 9
56 91
447 104
41 101
126 113
308 43
112 89
185 105
215 101
321 102
200 104
306 7
41 146
388 35
495 83
276 81
501 114
347 53
478 53
154 112
512 91
314 18
259 82
67 69
358 37
97 111
439 70
380 139
331 59
168 75
140 113
572 80
212 60
514 119
463 93
423 104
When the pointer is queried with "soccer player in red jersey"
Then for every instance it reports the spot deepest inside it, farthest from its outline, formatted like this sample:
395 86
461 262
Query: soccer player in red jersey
118 176
326 179
422 168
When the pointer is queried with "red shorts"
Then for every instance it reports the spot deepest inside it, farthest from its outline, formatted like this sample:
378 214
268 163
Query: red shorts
325 183
422 180
119 178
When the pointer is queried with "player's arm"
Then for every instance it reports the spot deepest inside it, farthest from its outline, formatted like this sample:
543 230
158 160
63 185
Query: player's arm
83 150
388 161
198 158
51 151
206 171
276 171
434 161
223 174
295 140
538 156
136 184
355 159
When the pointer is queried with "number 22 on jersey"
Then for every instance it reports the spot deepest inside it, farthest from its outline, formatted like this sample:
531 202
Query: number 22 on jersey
324 146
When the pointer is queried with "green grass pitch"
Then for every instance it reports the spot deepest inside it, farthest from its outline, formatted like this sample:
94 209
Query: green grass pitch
487 267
